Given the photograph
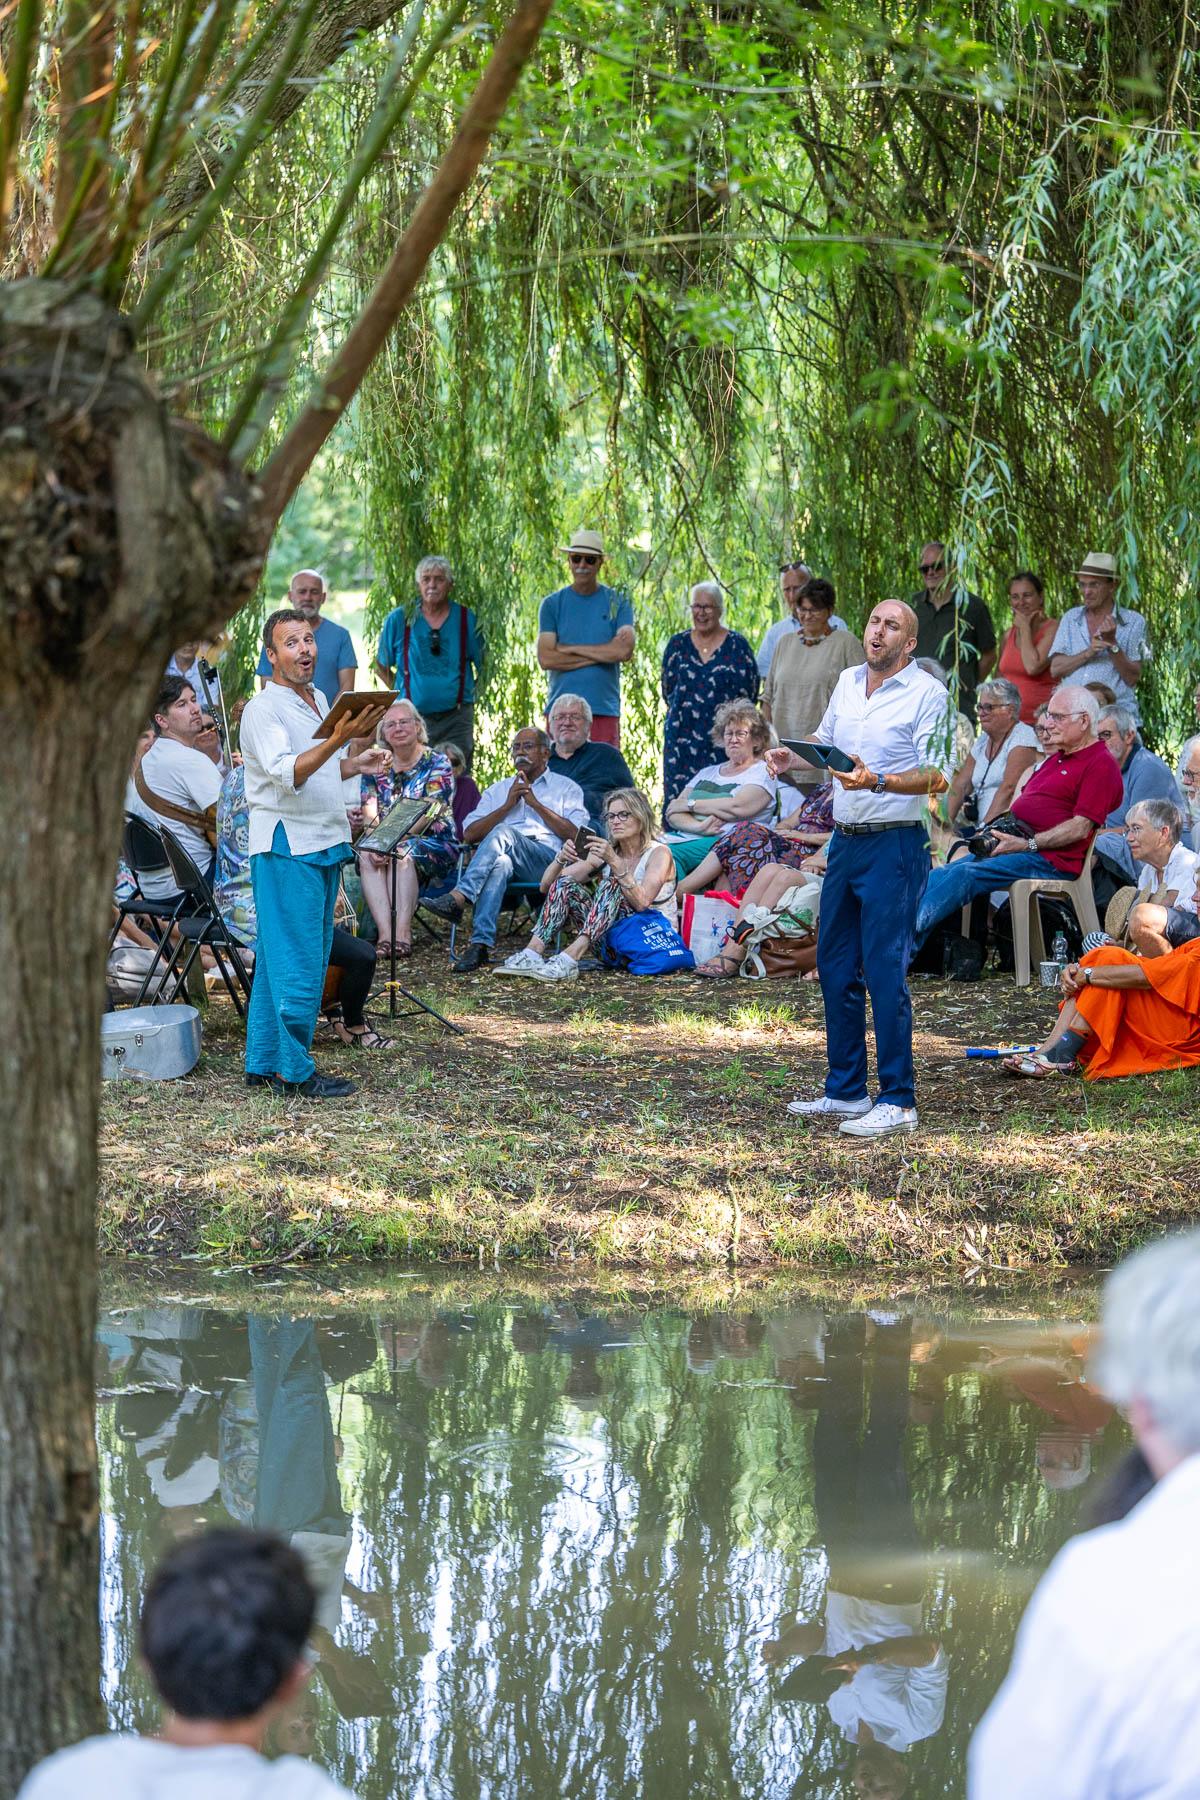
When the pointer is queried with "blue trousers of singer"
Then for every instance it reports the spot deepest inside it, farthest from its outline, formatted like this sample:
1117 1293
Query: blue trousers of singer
869 904
294 897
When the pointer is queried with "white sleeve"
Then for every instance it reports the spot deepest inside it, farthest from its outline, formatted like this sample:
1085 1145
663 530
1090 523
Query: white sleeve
204 784
489 800
933 735
267 742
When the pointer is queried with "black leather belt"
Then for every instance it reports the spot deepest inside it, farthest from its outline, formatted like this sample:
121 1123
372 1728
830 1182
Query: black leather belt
868 829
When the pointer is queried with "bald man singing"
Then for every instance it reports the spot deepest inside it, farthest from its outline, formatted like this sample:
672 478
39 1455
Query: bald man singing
891 719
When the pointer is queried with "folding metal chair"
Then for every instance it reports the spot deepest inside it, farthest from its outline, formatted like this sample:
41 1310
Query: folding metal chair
145 857
201 926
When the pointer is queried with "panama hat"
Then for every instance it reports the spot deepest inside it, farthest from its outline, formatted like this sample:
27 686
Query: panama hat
590 542
1096 562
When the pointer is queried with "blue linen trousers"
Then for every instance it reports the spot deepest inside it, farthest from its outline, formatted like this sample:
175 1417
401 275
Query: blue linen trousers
869 904
294 897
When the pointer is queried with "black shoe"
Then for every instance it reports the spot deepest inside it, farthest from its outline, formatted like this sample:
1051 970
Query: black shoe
443 906
261 1080
475 956
317 1087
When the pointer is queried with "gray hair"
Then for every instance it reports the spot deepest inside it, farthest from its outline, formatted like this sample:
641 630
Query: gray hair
1163 814
1007 692
1150 1336
760 731
713 591
427 563
422 728
578 700
1121 717
316 575
1083 702
933 667
1190 747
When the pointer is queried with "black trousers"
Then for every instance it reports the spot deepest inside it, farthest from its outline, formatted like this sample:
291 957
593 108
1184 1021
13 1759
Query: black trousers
356 959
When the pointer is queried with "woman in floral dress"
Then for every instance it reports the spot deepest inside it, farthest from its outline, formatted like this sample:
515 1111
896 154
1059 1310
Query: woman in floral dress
701 670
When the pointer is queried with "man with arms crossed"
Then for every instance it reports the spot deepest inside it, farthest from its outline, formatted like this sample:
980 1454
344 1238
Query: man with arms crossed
585 633
299 839
891 718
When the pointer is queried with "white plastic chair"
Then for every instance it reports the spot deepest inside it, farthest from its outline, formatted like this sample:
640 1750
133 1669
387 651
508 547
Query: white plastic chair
1029 947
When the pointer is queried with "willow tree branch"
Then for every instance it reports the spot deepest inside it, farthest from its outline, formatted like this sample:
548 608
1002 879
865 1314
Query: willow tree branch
288 464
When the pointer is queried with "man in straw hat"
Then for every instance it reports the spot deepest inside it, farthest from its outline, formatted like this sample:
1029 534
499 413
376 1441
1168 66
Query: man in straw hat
585 631
1101 641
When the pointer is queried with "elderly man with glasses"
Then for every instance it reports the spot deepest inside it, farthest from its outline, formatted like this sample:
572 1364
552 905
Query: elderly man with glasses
517 828
585 633
953 626
598 768
1062 805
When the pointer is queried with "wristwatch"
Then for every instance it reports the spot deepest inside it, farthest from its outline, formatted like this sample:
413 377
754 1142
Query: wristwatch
880 785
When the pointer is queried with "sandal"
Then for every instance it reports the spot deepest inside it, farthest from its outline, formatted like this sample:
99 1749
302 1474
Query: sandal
370 1039
1035 1066
718 968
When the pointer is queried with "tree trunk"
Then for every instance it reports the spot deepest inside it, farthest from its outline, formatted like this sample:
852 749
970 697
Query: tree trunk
118 527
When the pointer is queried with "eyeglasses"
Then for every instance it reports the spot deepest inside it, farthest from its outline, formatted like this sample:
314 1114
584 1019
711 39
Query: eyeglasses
1060 718
582 556
435 640
1189 779
986 706
616 813
930 568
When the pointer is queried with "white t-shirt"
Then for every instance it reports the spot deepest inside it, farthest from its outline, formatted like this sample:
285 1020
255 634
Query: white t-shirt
987 777
136 1768
1180 874
185 777
718 786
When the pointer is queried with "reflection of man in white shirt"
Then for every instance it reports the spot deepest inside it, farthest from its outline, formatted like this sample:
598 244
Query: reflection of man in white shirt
1102 1701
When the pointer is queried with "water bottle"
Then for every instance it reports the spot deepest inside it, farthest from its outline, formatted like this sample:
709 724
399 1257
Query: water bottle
1058 949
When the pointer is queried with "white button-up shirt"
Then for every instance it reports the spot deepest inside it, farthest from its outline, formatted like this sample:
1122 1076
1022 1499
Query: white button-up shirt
1103 1698
558 792
902 725
277 727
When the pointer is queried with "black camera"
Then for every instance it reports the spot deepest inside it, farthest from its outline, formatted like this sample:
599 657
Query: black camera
984 842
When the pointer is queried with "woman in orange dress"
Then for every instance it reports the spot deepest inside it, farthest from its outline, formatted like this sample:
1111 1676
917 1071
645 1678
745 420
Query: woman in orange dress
1123 1015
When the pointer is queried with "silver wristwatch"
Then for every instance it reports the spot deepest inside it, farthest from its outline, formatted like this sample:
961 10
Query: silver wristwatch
880 785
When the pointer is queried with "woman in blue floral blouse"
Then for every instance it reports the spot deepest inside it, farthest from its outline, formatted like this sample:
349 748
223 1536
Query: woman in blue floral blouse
417 773
701 669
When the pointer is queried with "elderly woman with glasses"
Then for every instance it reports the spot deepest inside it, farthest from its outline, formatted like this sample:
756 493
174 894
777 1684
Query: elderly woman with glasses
592 882
723 794
701 670
985 783
416 773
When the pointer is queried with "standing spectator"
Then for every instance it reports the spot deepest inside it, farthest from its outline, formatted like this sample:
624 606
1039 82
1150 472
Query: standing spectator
585 632
1102 1701
793 578
805 669
1099 640
224 1633
598 769
893 713
336 659
176 787
1144 776
953 625
701 670
1025 649
436 658
416 773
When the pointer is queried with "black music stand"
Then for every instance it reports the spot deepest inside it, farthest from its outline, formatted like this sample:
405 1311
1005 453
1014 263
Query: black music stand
403 820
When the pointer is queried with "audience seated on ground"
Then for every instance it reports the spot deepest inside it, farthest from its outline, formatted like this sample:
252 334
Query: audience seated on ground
629 872
1166 874
1159 925
175 787
519 824
724 794
772 890
737 858
224 1634
1052 822
596 768
985 783
1144 776
417 773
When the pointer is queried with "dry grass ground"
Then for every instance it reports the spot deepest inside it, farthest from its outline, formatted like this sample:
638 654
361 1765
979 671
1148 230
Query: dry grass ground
643 1124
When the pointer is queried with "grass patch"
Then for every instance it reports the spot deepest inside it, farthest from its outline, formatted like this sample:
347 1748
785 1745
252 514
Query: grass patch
642 1124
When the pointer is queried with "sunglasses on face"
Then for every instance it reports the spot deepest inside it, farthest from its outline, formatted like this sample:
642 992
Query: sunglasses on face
931 568
582 556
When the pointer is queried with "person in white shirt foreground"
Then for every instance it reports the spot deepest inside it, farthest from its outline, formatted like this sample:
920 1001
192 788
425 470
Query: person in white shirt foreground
891 718
1102 1701
224 1627
299 839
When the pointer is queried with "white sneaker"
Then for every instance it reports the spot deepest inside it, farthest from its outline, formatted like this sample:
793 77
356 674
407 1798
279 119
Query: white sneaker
558 968
825 1107
521 962
882 1120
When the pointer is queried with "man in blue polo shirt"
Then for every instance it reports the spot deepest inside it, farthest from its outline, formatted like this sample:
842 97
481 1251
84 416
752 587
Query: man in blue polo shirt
336 661
585 631
436 658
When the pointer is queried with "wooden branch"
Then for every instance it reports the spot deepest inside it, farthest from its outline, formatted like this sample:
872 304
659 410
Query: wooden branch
290 461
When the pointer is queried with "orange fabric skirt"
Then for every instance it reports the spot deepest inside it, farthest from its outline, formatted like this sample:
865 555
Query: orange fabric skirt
1138 1030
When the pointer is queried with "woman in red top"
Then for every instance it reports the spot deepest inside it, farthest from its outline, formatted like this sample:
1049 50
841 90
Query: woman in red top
1025 651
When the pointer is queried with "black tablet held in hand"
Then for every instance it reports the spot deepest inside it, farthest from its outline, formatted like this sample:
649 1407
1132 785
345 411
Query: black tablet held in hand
821 756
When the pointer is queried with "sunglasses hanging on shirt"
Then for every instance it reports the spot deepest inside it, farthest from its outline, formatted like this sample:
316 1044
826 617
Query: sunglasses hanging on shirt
435 640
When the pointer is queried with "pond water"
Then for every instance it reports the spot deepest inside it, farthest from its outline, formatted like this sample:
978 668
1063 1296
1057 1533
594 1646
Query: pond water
553 1532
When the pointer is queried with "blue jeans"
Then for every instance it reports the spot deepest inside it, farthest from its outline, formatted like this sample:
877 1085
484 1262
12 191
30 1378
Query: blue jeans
951 888
869 906
505 855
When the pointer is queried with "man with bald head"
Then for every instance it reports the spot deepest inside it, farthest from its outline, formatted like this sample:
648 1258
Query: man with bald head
336 659
1059 810
891 720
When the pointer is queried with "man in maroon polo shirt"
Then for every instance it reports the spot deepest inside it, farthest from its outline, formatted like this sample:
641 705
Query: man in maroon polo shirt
1062 806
